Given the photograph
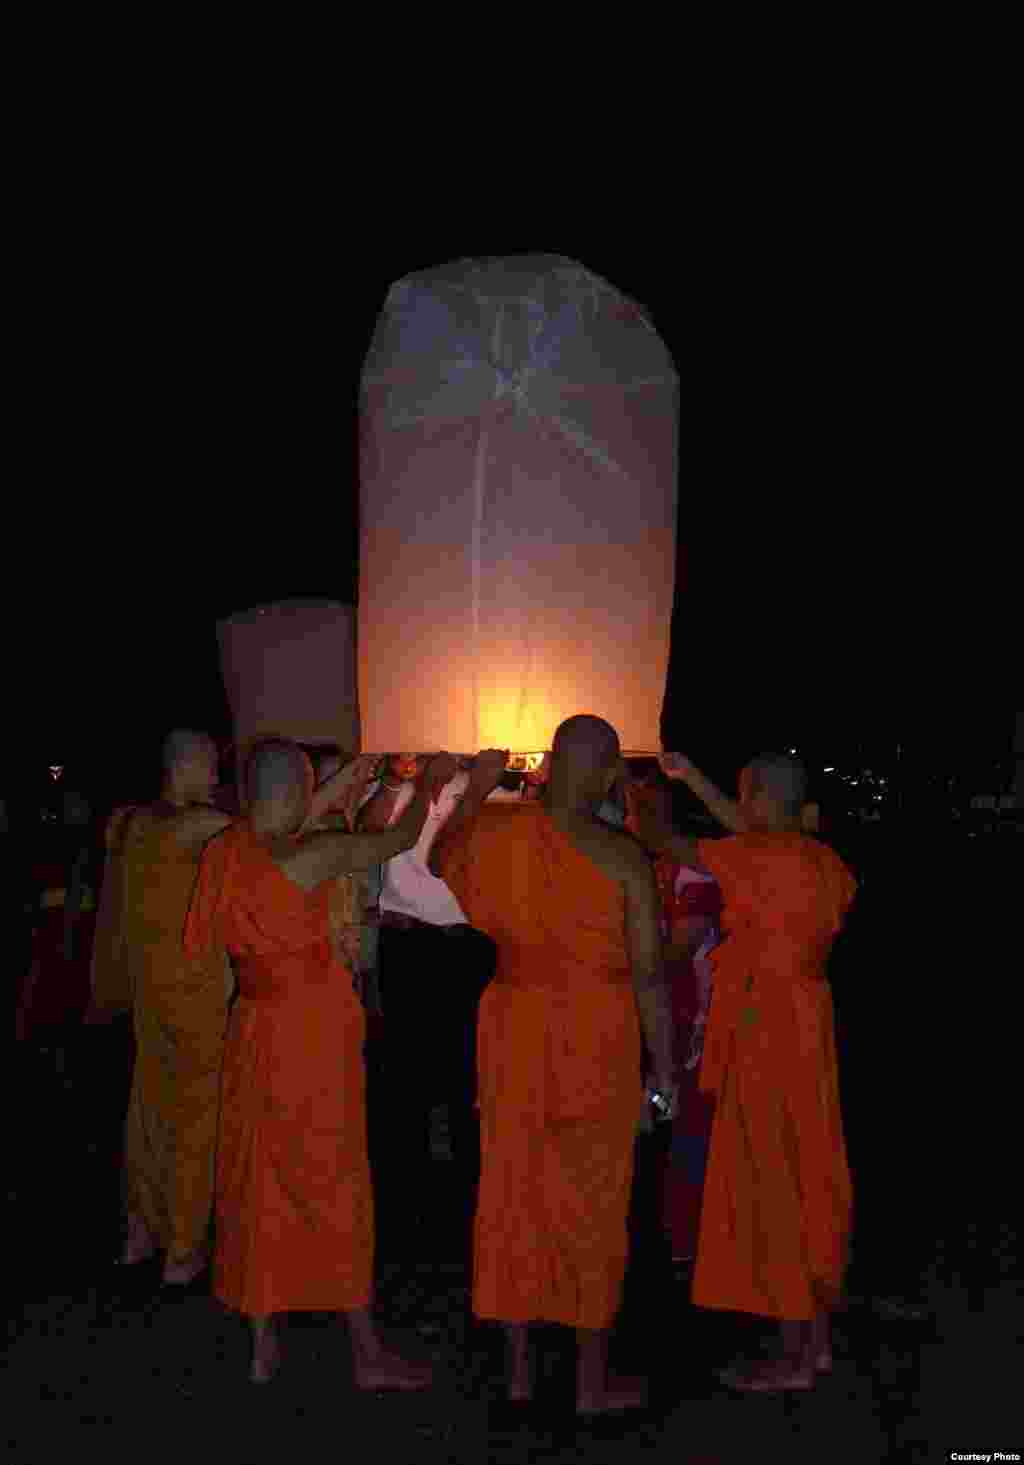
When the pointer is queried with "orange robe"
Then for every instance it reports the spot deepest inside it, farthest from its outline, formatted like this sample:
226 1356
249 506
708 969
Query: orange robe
559 1063
294 1205
775 1220
179 1008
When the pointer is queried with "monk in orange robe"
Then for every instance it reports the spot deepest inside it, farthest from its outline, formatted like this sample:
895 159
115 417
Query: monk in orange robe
294 1205
179 1009
775 1221
573 909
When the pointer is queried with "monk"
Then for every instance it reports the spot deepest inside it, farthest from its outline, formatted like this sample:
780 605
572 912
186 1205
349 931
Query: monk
294 1206
573 908
777 1202
179 1009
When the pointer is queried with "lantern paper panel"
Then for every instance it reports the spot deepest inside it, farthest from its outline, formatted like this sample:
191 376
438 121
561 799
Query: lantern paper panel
289 671
518 510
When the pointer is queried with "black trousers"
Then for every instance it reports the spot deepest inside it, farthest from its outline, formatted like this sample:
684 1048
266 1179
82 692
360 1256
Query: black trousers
431 981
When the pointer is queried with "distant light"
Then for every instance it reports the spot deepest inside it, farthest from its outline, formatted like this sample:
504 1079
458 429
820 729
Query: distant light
830 770
56 769
792 750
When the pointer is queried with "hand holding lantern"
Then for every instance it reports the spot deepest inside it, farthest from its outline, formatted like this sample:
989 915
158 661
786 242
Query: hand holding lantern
488 770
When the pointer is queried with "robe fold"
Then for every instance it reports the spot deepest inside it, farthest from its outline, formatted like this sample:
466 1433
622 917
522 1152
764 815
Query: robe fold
775 1220
559 1063
179 1011
294 1205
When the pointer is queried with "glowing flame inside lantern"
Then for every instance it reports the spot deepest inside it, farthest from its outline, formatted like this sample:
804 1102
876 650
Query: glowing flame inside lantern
525 762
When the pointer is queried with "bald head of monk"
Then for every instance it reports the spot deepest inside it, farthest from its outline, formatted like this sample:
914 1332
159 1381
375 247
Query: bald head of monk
585 762
773 792
189 767
279 781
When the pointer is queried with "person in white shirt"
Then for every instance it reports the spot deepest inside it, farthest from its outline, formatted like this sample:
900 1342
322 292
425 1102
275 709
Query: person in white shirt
432 968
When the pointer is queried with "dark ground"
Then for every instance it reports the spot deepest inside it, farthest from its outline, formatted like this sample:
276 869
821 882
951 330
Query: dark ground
107 1366
100 1364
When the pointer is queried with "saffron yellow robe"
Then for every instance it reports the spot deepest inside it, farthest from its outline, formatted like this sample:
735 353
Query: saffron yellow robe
179 1007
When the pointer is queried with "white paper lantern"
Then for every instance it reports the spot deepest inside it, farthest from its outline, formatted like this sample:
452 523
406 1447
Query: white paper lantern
289 671
518 509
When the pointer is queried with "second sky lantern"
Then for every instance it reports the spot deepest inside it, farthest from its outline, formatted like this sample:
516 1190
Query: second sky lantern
518 455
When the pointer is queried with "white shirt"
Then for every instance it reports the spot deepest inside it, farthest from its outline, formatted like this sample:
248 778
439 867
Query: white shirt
409 888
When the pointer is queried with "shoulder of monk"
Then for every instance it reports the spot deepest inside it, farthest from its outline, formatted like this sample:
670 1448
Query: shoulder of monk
117 825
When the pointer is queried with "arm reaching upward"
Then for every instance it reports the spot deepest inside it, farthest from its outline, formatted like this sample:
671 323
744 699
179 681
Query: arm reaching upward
725 810
346 786
485 775
323 856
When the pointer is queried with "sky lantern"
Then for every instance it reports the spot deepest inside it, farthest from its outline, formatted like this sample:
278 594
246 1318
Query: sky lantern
518 457
289 671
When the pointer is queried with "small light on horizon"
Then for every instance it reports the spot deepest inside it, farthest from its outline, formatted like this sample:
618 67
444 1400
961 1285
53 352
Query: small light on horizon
830 770
56 769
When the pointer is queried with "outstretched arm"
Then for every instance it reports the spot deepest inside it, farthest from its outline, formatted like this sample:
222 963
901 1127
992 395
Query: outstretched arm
725 810
484 777
347 786
324 856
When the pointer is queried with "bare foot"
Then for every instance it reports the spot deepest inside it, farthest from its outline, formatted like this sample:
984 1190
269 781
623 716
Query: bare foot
619 1393
388 1371
139 1245
266 1357
180 1273
773 1376
823 1362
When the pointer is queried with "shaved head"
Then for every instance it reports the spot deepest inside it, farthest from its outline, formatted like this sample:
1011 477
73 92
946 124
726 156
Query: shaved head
185 745
190 760
278 772
584 750
781 779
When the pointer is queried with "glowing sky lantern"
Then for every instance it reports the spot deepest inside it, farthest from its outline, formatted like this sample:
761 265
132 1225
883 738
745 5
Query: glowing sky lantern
289 671
518 447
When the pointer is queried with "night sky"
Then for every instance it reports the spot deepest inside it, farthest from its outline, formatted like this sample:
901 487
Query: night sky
192 396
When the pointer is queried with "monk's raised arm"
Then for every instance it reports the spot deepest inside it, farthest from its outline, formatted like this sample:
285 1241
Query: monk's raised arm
727 811
643 935
349 783
324 856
